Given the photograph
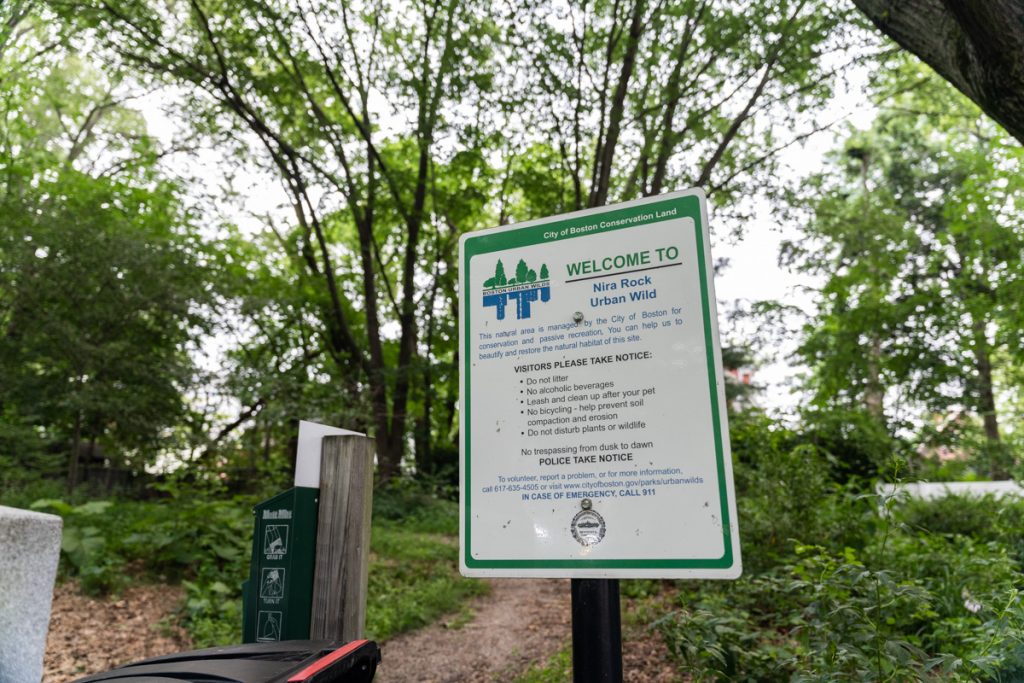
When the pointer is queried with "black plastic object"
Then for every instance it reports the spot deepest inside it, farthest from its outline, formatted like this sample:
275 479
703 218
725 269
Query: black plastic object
289 661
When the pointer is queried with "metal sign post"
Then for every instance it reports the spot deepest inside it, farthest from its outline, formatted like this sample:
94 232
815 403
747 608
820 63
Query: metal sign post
596 631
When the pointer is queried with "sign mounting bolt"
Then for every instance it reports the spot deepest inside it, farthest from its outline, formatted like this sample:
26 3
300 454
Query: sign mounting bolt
586 504
577 317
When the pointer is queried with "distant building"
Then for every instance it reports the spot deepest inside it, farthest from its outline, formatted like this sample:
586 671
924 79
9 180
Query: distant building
951 422
739 387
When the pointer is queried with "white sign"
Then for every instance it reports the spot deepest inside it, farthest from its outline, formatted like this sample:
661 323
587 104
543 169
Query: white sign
593 429
307 455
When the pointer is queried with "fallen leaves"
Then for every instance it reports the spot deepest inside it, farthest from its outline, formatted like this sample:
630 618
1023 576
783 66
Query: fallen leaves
88 635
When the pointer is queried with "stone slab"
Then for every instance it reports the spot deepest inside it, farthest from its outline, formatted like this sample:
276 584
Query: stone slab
935 490
29 551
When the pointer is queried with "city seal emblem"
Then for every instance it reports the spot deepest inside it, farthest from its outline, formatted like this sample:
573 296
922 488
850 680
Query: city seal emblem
588 527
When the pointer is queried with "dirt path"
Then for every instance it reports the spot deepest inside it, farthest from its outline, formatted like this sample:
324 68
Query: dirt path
521 622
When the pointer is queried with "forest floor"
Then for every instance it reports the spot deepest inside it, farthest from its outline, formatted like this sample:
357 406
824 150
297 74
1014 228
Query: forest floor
519 625
88 635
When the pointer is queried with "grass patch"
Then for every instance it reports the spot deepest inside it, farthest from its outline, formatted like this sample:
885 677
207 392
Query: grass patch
414 570
414 580
558 669
464 616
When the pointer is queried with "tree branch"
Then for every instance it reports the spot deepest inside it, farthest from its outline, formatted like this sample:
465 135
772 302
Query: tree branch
977 45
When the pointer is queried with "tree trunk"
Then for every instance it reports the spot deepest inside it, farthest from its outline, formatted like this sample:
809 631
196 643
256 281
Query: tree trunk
293 446
606 151
390 454
986 400
874 392
977 45
108 475
253 464
423 423
673 97
76 444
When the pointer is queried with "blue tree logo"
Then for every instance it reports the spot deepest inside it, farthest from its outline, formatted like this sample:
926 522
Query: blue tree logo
525 288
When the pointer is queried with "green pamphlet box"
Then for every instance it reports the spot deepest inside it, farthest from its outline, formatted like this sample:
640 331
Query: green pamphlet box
278 597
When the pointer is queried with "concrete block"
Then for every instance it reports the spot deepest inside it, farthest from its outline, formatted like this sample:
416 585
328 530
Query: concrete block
29 551
922 490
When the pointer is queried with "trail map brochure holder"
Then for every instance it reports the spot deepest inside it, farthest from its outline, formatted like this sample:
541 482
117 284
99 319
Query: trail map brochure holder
277 599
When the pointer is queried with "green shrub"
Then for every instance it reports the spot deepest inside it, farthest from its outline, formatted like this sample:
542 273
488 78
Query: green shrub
858 623
910 604
416 507
87 544
20 489
857 444
981 518
414 579
640 588
201 542
837 588
785 492
717 639
824 618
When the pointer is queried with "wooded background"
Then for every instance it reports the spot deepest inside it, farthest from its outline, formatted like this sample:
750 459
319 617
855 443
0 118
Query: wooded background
383 131
219 217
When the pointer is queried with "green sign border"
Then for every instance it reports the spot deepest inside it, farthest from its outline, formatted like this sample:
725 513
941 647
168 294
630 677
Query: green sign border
688 206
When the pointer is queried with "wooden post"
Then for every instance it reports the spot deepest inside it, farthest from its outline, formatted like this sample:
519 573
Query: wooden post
342 538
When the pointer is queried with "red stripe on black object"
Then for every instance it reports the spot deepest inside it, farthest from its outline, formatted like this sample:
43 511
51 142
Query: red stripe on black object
324 662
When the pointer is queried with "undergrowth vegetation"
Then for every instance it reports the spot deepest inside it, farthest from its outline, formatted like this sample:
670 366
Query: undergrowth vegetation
203 541
414 576
841 584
